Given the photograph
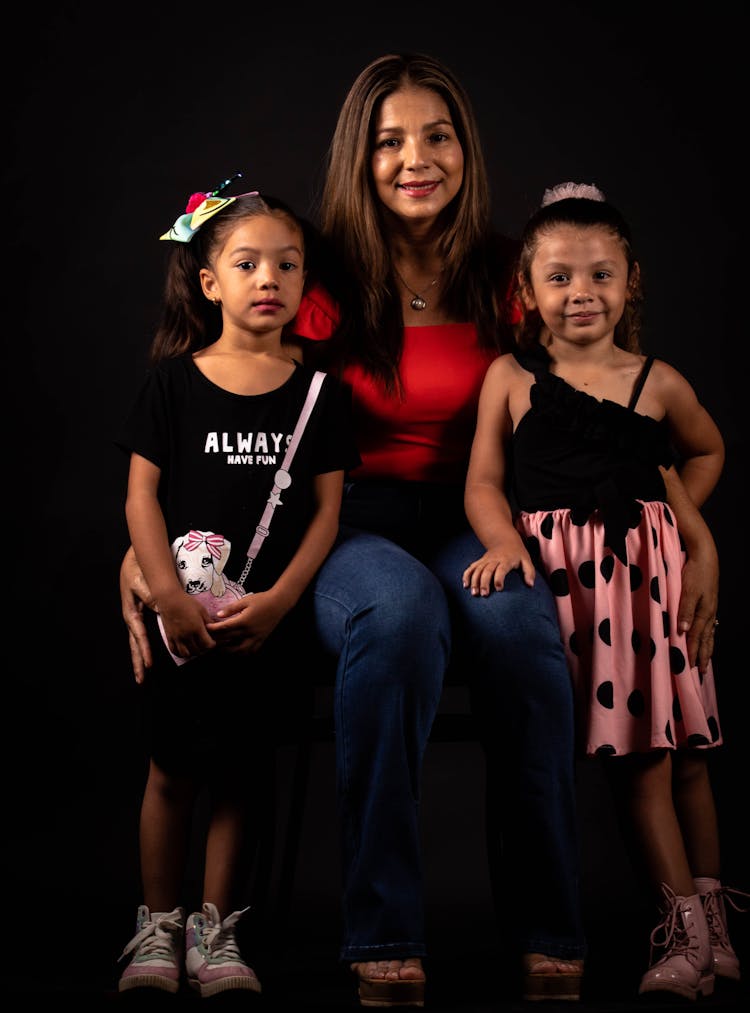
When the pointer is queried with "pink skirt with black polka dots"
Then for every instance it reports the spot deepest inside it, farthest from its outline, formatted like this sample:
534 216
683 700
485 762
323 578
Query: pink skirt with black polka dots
635 690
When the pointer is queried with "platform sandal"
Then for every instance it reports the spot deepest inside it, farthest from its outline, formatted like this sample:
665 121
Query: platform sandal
386 992
542 981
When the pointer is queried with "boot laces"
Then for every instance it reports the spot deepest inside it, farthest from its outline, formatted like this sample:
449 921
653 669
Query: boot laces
670 934
713 907
156 938
218 936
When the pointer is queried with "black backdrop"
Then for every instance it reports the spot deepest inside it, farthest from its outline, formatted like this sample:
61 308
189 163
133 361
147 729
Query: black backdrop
112 117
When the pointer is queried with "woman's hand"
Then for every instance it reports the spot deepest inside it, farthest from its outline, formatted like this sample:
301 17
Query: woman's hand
699 603
134 594
699 600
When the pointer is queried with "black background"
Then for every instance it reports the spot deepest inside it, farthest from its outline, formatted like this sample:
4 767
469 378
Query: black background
112 117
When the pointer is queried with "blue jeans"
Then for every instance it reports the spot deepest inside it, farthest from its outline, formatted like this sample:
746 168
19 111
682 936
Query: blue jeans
394 622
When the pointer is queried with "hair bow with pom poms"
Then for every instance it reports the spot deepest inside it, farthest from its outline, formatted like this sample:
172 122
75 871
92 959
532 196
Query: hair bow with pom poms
200 207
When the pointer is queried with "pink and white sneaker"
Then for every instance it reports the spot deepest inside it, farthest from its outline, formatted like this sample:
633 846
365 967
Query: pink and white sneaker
212 958
156 948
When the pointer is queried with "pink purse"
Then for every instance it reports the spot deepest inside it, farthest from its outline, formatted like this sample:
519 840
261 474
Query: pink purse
200 555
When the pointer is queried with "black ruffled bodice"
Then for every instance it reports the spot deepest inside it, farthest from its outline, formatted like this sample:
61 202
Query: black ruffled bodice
572 451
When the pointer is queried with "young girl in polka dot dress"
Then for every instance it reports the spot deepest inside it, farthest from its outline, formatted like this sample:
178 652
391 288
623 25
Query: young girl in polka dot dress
583 427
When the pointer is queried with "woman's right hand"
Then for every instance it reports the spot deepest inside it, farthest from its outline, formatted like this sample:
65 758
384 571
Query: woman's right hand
134 594
699 600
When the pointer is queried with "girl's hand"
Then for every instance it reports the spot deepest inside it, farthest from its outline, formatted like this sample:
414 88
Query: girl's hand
489 572
245 625
185 620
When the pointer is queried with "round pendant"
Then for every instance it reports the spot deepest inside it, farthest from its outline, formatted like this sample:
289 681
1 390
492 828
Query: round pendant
418 303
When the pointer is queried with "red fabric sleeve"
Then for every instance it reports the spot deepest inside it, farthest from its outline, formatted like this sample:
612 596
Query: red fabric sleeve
318 315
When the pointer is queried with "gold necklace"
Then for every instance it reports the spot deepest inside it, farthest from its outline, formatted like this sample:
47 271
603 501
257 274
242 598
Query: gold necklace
418 302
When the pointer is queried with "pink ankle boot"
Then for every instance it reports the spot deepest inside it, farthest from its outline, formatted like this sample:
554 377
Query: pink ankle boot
686 968
713 895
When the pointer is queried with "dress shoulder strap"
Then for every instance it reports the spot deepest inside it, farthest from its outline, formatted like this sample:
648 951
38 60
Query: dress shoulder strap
535 359
645 370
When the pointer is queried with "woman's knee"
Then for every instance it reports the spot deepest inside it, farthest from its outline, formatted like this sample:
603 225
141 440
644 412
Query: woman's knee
518 624
372 587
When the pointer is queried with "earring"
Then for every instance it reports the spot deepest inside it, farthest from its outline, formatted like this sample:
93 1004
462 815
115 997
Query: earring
215 302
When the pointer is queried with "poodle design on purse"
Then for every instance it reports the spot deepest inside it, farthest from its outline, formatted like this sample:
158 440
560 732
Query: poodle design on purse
200 558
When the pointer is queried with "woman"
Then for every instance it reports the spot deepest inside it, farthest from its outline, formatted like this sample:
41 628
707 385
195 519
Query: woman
405 209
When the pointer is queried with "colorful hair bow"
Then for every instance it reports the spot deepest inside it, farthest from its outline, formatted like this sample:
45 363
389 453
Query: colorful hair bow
200 207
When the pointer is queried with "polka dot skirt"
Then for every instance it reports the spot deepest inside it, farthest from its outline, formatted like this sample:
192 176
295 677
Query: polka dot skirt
635 689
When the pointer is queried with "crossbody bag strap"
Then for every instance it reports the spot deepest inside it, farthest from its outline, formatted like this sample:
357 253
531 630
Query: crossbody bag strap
282 479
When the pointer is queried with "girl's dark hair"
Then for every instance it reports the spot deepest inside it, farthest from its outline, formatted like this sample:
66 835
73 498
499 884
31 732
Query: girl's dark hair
477 265
188 320
582 212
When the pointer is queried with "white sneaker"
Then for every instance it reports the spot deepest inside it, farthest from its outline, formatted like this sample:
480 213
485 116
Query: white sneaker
155 948
213 960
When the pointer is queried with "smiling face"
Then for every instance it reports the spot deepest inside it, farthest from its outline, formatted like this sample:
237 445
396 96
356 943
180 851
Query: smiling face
579 282
417 161
257 274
